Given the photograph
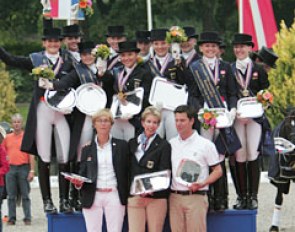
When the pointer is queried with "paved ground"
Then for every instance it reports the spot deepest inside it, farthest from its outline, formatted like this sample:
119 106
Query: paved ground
266 201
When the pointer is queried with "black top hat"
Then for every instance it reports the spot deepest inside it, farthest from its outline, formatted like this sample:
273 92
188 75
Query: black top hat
209 37
86 47
116 31
243 39
158 34
72 31
52 33
128 46
190 32
267 56
143 36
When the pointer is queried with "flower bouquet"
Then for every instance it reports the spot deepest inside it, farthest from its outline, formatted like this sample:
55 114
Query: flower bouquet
175 36
101 52
43 71
265 98
208 119
86 6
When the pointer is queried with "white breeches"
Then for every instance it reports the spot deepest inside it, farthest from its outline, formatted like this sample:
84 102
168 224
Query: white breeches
212 134
109 205
123 129
86 136
167 128
249 133
46 119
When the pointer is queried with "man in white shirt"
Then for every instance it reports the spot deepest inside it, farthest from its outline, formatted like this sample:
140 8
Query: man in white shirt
189 205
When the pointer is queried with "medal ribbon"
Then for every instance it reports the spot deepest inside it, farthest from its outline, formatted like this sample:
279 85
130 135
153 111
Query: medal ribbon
244 83
214 78
122 79
112 64
165 63
190 57
58 65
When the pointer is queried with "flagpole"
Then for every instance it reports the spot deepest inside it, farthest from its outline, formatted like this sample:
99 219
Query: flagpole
149 14
241 29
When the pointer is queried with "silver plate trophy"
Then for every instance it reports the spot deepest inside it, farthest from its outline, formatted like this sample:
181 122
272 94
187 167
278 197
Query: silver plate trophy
188 172
90 98
133 106
223 119
168 93
249 107
150 182
62 101
285 150
76 176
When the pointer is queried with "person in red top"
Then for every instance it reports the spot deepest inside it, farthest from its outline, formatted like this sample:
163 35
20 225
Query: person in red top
4 168
21 172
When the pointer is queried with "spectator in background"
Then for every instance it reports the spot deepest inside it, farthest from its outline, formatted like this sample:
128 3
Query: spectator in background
4 167
21 172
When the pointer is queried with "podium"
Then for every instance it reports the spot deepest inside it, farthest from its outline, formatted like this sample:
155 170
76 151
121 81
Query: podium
227 221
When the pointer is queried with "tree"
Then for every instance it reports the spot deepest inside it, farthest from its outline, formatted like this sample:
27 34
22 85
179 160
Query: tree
7 95
282 78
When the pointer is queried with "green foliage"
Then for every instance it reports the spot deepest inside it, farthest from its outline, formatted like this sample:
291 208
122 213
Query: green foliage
7 95
282 78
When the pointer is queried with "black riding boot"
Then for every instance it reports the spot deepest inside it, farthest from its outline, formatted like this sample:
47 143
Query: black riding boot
242 186
74 193
221 191
253 178
44 182
64 185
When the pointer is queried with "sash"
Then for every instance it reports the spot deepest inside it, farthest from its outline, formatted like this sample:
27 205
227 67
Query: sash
206 86
227 140
38 58
155 72
85 74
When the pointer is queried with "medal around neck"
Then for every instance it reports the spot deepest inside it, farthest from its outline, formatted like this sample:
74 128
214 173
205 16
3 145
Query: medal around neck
188 172
150 182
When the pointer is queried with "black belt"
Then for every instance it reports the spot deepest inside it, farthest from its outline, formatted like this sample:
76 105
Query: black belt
189 192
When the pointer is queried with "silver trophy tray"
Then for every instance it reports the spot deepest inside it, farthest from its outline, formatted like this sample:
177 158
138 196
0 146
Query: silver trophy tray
61 101
168 93
188 172
249 107
131 108
76 177
223 119
90 98
150 182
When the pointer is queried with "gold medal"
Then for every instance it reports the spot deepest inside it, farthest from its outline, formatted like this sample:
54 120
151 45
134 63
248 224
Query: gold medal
245 93
121 96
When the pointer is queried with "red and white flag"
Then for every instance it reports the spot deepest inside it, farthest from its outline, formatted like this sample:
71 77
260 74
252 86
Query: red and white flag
63 9
256 18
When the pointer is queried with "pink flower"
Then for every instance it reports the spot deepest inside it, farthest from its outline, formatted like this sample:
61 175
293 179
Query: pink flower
267 95
207 121
213 122
222 72
89 3
255 74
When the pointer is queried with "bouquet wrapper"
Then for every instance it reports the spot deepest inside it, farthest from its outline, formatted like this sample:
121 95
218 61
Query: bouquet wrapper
101 65
176 51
